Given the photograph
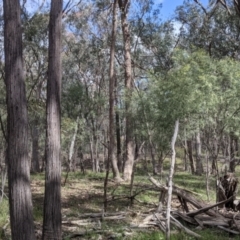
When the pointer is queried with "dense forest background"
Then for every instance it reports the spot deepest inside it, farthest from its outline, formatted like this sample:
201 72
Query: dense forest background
122 79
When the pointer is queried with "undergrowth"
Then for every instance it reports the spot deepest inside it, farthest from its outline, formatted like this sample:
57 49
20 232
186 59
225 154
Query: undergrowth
83 193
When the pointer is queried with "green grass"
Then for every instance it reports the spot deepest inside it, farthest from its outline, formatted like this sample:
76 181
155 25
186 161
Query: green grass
83 193
4 217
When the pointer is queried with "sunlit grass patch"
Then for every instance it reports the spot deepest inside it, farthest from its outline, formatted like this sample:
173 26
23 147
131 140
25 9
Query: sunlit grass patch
38 176
4 212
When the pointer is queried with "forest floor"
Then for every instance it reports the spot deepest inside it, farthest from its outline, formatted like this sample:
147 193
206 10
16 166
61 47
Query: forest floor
82 206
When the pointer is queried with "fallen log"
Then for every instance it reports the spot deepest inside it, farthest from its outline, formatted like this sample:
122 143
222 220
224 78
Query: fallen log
184 194
229 230
179 225
193 213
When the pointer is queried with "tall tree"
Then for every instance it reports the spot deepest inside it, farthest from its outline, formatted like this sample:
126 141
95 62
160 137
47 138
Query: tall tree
112 144
52 200
128 164
20 199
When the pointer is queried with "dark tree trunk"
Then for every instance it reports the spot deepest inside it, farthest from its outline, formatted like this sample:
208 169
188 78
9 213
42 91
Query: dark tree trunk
215 155
20 199
185 152
118 137
52 221
118 131
35 148
232 152
190 155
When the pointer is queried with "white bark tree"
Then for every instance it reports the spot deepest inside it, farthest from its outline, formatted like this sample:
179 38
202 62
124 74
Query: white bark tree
170 180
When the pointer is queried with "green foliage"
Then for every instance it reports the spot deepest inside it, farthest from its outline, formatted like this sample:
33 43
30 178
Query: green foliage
218 35
198 90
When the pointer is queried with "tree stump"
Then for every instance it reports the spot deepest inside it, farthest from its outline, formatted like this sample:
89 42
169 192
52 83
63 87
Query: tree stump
227 187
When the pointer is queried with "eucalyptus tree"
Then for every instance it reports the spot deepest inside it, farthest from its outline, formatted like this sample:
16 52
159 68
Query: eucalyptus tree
52 220
201 92
112 145
129 161
210 28
20 199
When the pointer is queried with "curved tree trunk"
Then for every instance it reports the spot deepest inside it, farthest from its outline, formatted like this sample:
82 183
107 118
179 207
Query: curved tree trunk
20 198
52 221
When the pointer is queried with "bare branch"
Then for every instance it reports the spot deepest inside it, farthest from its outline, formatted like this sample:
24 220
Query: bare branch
203 8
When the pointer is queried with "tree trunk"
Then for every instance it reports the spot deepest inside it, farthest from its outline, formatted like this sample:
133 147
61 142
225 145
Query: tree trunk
118 132
232 152
190 155
170 180
52 221
112 81
112 143
35 148
129 161
71 160
185 152
215 155
118 137
92 154
199 165
20 198
97 163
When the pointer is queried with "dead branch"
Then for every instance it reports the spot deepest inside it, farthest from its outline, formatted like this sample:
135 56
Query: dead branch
184 194
194 213
229 230
179 225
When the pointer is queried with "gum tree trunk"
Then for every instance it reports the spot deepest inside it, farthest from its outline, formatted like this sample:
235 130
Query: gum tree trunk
20 198
129 161
199 165
71 159
112 142
52 221
170 181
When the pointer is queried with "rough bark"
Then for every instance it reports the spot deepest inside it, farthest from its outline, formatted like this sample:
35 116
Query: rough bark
52 199
129 161
20 199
